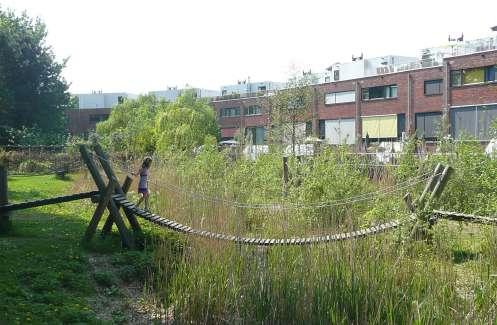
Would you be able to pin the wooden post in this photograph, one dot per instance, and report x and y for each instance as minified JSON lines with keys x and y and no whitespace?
{"x":99,"y":211}
{"x":285,"y":174}
{"x":102,"y":157}
{"x":126,"y":237}
{"x":430,"y":184}
{"x":110,"y":221}
{"x":442,"y":181}
{"x":4,"y":216}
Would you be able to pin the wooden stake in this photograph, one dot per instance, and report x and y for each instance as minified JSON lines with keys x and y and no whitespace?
{"x":285,"y":174}
{"x":442,"y":181}
{"x":102,"y":157}
{"x":109,"y":222}
{"x":4,"y":216}
{"x":99,"y":211}
{"x":431,"y":183}
{"x":126,"y":237}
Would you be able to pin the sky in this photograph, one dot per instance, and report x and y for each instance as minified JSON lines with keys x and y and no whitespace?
{"x":139,"y":46}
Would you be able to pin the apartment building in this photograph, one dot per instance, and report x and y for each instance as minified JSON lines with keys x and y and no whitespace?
{"x":92,"y":108}
{"x":386,"y":98}
{"x":172,"y":93}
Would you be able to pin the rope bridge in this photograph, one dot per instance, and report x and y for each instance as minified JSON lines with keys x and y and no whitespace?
{"x":112,"y":197}
{"x":178,"y":227}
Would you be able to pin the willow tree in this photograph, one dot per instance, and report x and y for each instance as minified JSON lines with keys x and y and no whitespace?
{"x":290,"y":108}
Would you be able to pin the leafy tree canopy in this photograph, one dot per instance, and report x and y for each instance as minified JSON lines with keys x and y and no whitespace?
{"x":185,"y":124}
{"x":146,"y":124}
{"x":130,"y":126}
{"x":33,"y":93}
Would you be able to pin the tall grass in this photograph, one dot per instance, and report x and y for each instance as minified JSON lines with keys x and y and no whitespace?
{"x":452,"y":278}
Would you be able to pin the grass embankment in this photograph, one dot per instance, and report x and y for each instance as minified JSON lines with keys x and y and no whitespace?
{"x":47,"y":276}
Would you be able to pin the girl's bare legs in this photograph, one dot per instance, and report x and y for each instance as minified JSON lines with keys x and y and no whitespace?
{"x":144,"y":197}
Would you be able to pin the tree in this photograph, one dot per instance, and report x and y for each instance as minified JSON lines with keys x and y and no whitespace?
{"x":130,"y":126}
{"x":185,"y":124}
{"x":291,"y":107}
{"x":32,"y":92}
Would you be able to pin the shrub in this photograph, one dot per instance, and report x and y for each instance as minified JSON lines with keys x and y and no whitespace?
{"x":32,"y":166}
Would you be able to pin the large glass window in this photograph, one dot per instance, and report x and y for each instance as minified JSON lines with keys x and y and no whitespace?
{"x":474,"y":121}
{"x":252,"y":110}
{"x":428,"y":124}
{"x":455,"y":78}
{"x":491,"y":73}
{"x":230,"y":112}
{"x":380,"y":126}
{"x":339,"y":97}
{"x":322,"y":129}
{"x":255,"y":135}
{"x":379,"y":92}
{"x":473,"y":76}
{"x":433,"y":87}
{"x":341,"y":131}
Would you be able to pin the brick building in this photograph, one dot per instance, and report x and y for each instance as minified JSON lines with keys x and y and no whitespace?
{"x":92,"y":108}
{"x":456,"y":85}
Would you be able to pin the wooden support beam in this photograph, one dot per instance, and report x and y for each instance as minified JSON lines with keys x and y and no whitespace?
{"x":52,"y":200}
{"x":126,"y":237}
{"x":99,"y":211}
{"x":4,"y":215}
{"x":430,"y":184}
{"x":442,"y":181}
{"x":104,"y":161}
{"x":109,"y":222}
{"x":408,"y":202}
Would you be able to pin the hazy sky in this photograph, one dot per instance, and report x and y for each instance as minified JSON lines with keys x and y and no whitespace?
{"x":137,"y":46}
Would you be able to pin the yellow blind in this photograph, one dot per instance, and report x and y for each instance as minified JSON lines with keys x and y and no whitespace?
{"x":384,"y":126}
{"x":472,"y":76}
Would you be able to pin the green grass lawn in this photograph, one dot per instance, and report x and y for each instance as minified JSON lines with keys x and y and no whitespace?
{"x":45,"y":274}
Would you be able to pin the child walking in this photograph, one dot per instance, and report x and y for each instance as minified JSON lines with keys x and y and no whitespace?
{"x":144,"y":173}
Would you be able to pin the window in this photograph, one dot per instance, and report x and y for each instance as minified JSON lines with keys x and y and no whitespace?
{"x":255,"y":135}
{"x":252,"y":110}
{"x":473,"y":76}
{"x":428,"y":124}
{"x":98,"y":118}
{"x":308,"y":128}
{"x":455,"y":78}
{"x":380,"y":126}
{"x":379,"y":92}
{"x":327,"y":79}
{"x":474,"y":121}
{"x":341,"y":131}
{"x":322,"y":129}
{"x":491,"y":73}
{"x":336,"y":75}
{"x":339,"y":97}
{"x":262,"y":88}
{"x":120,"y":99}
{"x":230,"y":111}
{"x":433,"y":87}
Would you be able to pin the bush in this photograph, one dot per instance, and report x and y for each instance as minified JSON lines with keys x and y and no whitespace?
{"x":32,"y":166}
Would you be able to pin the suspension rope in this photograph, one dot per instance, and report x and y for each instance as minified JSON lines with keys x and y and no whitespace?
{"x":287,"y":206}
{"x":321,"y":239}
